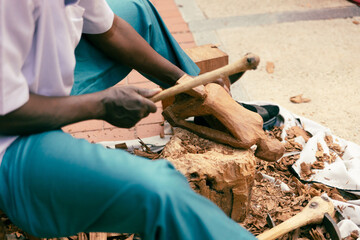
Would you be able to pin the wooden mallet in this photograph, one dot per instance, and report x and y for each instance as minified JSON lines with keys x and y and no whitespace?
{"x":318,"y":209}
{"x":248,"y":62}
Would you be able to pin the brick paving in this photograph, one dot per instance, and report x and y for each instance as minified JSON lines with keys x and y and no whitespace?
{"x":97,"y":130}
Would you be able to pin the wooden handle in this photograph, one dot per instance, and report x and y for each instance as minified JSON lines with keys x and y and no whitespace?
{"x":249,"y":61}
{"x":313,"y":213}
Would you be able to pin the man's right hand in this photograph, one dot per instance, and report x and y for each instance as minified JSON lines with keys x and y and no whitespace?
{"x":125,"y":106}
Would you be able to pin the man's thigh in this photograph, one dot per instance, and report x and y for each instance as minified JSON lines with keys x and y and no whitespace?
{"x":55,"y":185}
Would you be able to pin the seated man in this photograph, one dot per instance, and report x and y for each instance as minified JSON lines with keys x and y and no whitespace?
{"x":53,"y":185}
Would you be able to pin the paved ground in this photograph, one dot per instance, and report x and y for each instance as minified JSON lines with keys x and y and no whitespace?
{"x":314,"y":46}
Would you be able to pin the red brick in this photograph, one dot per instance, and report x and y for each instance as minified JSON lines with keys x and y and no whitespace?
{"x":88,"y":125}
{"x":136,"y":77}
{"x":108,"y":125}
{"x":159,"y":105}
{"x":173,"y":20}
{"x":114,"y":134}
{"x":173,"y":13}
{"x":148,"y":130}
{"x":152,"y":118}
{"x":163,"y":7}
{"x":148,"y":84}
{"x":178,"y":28}
{"x":122,"y":82}
{"x":183,"y":37}
{"x":159,"y":2}
{"x":187,"y":45}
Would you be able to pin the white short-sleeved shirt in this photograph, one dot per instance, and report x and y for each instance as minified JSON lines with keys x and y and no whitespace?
{"x":37,"y":43}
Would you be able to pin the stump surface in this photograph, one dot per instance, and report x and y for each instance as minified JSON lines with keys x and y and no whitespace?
{"x":223,"y":174}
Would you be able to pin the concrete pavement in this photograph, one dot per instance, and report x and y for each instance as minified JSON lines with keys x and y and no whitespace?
{"x":314,"y":45}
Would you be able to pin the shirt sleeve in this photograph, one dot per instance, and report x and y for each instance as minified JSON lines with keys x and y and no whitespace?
{"x":16,"y":36}
{"x":98,"y":16}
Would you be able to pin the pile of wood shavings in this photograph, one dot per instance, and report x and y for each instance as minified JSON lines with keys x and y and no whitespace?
{"x":268,"y":198}
{"x":321,"y":157}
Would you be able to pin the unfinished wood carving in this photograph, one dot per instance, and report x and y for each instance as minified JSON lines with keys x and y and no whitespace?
{"x":236,"y":126}
{"x":223,"y":174}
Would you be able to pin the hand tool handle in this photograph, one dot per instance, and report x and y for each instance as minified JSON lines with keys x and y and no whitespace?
{"x":249,"y":61}
{"x":313,"y":213}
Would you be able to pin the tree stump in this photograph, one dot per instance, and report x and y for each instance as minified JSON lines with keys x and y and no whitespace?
{"x":223,"y":174}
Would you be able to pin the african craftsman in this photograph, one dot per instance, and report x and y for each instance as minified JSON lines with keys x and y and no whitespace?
{"x":53,"y":185}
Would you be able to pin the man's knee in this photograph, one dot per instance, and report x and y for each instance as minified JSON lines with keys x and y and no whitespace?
{"x":133,"y":11}
{"x":164,"y":181}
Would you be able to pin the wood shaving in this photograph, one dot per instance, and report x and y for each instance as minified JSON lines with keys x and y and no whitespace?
{"x":306,"y":170}
{"x":297,"y":131}
{"x":268,"y":198}
{"x":276,"y":133}
{"x":292,"y":146}
{"x":146,"y":154}
{"x":321,"y":157}
{"x":299,"y":99}
{"x":334,"y":146}
{"x":121,"y":146}
{"x":316,"y":235}
{"x":353,"y":236}
{"x":270,"y":67}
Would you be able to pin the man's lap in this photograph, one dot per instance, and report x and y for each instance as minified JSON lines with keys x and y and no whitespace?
{"x":51,"y":178}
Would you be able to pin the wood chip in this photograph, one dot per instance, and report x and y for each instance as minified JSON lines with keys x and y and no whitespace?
{"x":334,"y":146}
{"x":306,"y":170}
{"x":316,"y":235}
{"x":270,"y":67}
{"x":121,"y":146}
{"x":292,"y":146}
{"x":150,"y":155}
{"x":297,"y":131}
{"x":299,"y":99}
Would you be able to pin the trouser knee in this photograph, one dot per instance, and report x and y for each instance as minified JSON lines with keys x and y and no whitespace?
{"x":135,"y":12}
{"x":166,"y":181}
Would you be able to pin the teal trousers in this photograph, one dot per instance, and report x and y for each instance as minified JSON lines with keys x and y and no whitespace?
{"x":95,"y":72}
{"x":53,"y":185}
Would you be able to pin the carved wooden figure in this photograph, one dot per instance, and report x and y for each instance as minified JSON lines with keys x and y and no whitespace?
{"x":234,"y":125}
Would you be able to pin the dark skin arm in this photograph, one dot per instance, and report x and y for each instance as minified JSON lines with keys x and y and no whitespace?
{"x":123,"y":44}
{"x":136,"y":53}
{"x":120,"y":106}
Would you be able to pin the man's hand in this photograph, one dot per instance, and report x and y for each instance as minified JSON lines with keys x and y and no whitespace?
{"x":125,"y":106}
